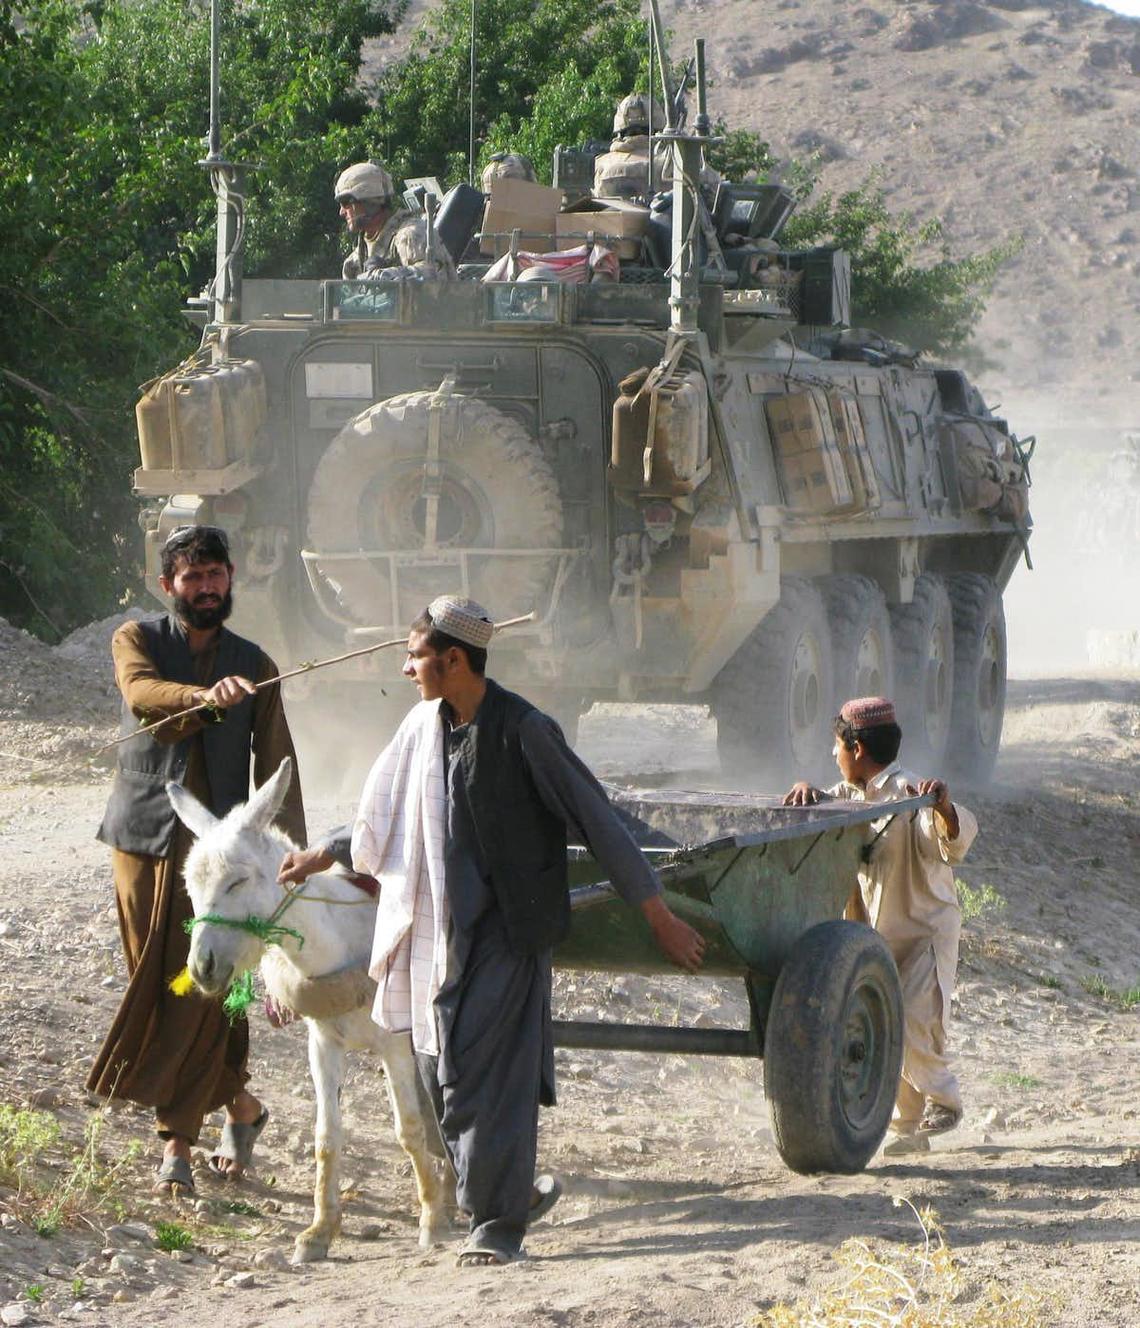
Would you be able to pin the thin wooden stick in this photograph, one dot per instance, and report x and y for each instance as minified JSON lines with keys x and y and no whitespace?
{"x":292,"y":673}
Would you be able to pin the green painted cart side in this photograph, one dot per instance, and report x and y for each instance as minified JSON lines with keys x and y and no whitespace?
{"x":826,"y":1009}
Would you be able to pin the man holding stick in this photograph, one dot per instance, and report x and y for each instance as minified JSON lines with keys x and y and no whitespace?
{"x":180,"y":1054}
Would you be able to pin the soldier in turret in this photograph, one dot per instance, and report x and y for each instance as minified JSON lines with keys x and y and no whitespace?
{"x":390,"y":240}
{"x":623,"y":172}
{"x":507,"y":166}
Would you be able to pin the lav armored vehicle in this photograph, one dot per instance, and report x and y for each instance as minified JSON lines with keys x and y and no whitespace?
{"x":703,"y":482}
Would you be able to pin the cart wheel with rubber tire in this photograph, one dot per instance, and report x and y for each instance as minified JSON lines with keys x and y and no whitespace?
{"x":833,"y":1048}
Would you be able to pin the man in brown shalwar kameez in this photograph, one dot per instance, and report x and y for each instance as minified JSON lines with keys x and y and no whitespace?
{"x":180,"y":1054}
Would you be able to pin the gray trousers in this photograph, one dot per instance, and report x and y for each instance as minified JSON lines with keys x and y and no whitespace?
{"x":495,"y":1067}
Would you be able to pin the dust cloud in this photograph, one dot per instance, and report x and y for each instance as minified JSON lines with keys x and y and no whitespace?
{"x":1078,"y":609}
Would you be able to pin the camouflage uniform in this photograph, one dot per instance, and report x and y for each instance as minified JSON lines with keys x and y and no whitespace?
{"x":623,"y":171}
{"x":400,"y":246}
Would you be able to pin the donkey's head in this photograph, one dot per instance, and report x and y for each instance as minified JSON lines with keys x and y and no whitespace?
{"x":231,"y":873}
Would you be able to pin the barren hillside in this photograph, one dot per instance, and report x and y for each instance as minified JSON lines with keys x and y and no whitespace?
{"x":1002,"y":118}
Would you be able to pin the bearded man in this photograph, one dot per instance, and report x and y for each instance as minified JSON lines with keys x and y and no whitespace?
{"x":180,"y":1054}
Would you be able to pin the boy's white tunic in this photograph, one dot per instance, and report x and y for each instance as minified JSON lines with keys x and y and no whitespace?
{"x":908,"y":895}
{"x":398,"y":837}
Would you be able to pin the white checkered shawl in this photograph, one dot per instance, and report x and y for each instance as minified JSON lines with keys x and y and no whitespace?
{"x":398,"y":837}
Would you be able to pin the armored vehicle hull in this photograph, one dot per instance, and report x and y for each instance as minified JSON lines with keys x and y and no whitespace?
{"x":704,"y":485}
{"x":753,"y":516}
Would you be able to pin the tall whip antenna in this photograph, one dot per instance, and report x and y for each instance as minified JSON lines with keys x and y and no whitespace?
{"x":651,"y":124}
{"x":214,"y":141}
{"x":227,"y":180}
{"x":471,"y":106}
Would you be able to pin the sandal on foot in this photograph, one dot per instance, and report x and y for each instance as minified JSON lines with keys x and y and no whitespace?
{"x":476,"y":1255}
{"x":236,"y":1145}
{"x":939,"y":1119}
{"x":174,"y":1177}
{"x":906,"y":1145}
{"x":547,"y":1191}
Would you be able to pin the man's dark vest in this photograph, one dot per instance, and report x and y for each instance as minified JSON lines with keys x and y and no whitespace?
{"x":139,"y":817}
{"x":523,"y":842}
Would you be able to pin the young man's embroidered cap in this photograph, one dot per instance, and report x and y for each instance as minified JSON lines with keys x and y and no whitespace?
{"x":463,"y":619}
{"x":868,"y":712}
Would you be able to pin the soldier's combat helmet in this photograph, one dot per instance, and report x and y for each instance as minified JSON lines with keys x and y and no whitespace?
{"x":633,"y":112}
{"x":367,"y":181}
{"x":507,"y":166}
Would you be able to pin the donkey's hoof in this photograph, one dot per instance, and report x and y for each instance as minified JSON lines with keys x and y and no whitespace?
{"x":437,"y":1233}
{"x":310,"y":1249}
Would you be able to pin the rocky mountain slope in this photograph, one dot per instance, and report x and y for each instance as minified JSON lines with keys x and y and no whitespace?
{"x":1002,"y":118}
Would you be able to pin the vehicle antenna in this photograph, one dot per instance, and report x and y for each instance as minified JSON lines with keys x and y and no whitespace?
{"x":471,"y":107}
{"x":214,"y":141}
{"x":657,"y":35}
{"x":228,"y":183}
{"x":701,"y":123}
{"x":651,"y":124}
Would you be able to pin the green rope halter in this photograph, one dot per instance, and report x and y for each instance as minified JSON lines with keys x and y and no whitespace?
{"x":240,"y":995}
{"x":265,"y":929}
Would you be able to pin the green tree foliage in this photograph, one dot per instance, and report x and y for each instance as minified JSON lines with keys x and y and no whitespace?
{"x":740,"y":155}
{"x":547,"y":72}
{"x":106,"y":223}
{"x":905,"y":284}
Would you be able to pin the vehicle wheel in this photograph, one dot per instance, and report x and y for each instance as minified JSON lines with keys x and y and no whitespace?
{"x":497,"y":492}
{"x":861,"y":643}
{"x":833,"y":1048}
{"x":923,"y":633}
{"x":772,"y":700}
{"x":979,"y":675}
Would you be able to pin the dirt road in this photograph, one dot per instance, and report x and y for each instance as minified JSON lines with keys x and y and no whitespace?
{"x":678,"y":1209}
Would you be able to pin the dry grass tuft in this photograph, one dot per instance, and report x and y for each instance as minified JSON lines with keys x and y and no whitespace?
{"x":909,"y":1287}
{"x":48,"y":1185}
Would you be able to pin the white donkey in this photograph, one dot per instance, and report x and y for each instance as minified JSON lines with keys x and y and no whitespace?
{"x":231,"y":875}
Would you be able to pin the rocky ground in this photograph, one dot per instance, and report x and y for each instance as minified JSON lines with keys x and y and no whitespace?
{"x":678,"y":1209}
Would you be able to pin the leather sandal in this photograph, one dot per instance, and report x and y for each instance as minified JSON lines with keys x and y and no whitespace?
{"x":236,"y":1145}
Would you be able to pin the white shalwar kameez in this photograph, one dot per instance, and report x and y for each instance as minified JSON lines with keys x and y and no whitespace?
{"x":907,"y":894}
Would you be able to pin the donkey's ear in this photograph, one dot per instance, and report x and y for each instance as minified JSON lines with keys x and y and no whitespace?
{"x":189,"y":810}
{"x":269,"y":798}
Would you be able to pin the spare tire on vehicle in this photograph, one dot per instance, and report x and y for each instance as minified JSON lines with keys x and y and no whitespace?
{"x":495,"y":490}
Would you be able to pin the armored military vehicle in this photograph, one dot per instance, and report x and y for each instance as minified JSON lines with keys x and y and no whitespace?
{"x":703,"y":482}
